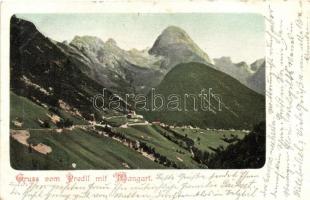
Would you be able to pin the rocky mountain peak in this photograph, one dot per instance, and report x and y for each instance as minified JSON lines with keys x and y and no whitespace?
{"x":111,"y":42}
{"x":169,"y":36}
{"x":222,"y":60}
{"x":243,"y":65}
{"x":177,"y":46}
{"x":90,"y":43}
{"x":174,"y":34}
{"x":257,"y":64}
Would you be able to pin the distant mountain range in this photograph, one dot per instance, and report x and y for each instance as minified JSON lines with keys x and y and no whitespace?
{"x":241,"y":107}
{"x":253,"y":76}
{"x":46,"y":71}
{"x":257,"y":81}
{"x":138,"y":71}
{"x":54,"y":123}
{"x":134,"y":71}
{"x":47,"y":74}
{"x":119,"y":70}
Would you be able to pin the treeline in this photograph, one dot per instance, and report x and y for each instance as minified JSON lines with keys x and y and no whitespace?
{"x":246,"y":153}
{"x":173,"y":136}
{"x":158,"y":157}
{"x":137,"y":145}
{"x":62,"y":123}
{"x":202,"y":157}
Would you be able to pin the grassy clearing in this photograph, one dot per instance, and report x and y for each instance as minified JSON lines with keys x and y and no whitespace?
{"x":87,"y":150}
{"x":25,"y":111}
{"x":209,"y":139}
{"x":162,"y":145}
{"x":74,"y":119}
{"x":116,"y":120}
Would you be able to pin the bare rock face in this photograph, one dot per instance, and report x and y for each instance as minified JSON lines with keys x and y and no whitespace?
{"x":257,"y":81}
{"x":47,"y":71}
{"x":134,"y":70}
{"x":239,"y":71}
{"x":175,"y":45}
{"x":252,"y":76}
{"x":120,"y":70}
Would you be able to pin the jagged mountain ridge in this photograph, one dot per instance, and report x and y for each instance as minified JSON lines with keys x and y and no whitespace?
{"x":113,"y":67}
{"x":255,"y":66}
{"x":44,"y":73}
{"x":143,"y":70}
{"x":257,"y":81}
{"x":252,"y":76}
{"x":241,"y":71}
{"x":137,"y":71}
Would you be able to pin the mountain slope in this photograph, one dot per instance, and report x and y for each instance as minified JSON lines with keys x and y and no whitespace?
{"x":251,"y":152}
{"x":241,"y":107}
{"x":84,"y":148}
{"x":257,"y":80}
{"x":175,"y":46}
{"x":252,"y":76}
{"x":121,"y":71}
{"x":45,"y":74}
{"x":134,"y":71}
{"x":257,"y":64}
{"x":240,"y":71}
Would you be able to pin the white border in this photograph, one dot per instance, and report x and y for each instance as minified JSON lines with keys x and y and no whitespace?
{"x":7,"y":174}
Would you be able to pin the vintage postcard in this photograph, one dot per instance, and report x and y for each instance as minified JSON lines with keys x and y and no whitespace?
{"x":149,"y":98}
{"x":154,"y":100}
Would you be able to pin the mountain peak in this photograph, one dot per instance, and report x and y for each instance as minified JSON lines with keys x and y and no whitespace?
{"x":174,"y":29}
{"x":257,"y":64}
{"x":111,"y":42}
{"x":176,"y":45}
{"x":223,"y":61}
{"x":91,"y":43}
{"x":86,"y":38}
{"x":242,"y":64}
{"x":173,"y":35}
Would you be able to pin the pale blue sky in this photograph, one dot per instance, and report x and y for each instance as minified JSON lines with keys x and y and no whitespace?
{"x":240,"y":36}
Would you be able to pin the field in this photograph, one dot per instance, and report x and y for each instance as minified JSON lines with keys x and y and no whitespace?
{"x":162,"y":145}
{"x":209,"y":139}
{"x":25,"y":111}
{"x":84,"y":148}
{"x":28,"y":113}
{"x":116,"y":120}
{"x":87,"y":150}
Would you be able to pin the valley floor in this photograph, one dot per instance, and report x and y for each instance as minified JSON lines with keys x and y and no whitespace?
{"x":118,"y":142}
{"x":91,"y":147}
